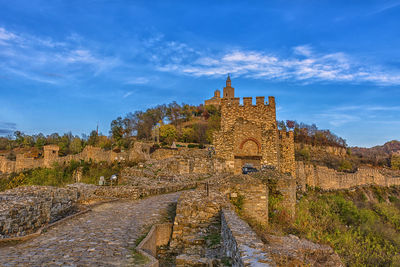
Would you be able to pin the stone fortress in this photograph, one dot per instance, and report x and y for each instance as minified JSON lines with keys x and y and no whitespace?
{"x":249,"y":133}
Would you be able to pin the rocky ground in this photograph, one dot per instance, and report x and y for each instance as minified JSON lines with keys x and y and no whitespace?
{"x":105,"y":236}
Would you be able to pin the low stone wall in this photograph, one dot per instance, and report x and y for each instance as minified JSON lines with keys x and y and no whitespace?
{"x":89,"y":192}
{"x":325,"y":178}
{"x":240,"y":243}
{"x":252,"y":192}
{"x":196,"y":212}
{"x":159,"y":235}
{"x":26,"y":209}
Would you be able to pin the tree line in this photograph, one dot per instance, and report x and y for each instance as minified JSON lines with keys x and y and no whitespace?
{"x":174,"y":122}
{"x":186,"y":123}
{"x":310,"y":134}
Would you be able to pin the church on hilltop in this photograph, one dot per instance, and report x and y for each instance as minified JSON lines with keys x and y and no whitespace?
{"x":228,"y":92}
{"x":249,"y":133}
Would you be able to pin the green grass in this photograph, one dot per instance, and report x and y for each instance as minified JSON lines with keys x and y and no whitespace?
{"x":213,"y":239}
{"x":60,"y":175}
{"x":138,"y":258}
{"x":238,"y":203}
{"x":362,"y":233}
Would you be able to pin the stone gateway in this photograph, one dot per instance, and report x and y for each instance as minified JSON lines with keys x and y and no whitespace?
{"x":249,"y":135}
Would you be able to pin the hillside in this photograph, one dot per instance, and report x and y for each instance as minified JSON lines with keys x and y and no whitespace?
{"x":377,"y":155}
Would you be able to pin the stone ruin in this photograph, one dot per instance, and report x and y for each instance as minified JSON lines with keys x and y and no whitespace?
{"x":140,"y":152}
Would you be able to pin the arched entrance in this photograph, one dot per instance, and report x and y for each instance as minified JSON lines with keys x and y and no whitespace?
{"x":249,"y":153}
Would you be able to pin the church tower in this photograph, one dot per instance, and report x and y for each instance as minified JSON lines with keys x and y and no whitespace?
{"x":229,"y":91}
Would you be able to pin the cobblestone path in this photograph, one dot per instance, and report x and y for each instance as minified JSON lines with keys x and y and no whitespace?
{"x":104,"y":236}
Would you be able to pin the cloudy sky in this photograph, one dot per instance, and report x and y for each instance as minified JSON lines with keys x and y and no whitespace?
{"x":68,"y":65}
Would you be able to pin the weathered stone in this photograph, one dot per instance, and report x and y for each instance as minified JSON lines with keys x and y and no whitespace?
{"x":25,"y":209}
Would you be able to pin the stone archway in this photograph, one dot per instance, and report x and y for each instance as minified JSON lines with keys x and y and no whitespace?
{"x":250,"y":147}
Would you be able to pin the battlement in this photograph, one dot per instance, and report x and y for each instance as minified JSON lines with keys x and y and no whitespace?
{"x":285,"y":135}
{"x":248,"y":102}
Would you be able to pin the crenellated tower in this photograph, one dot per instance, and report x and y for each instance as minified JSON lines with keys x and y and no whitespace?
{"x":249,"y":134}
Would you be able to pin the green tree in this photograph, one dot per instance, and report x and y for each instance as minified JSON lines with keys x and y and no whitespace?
{"x":93,"y":138}
{"x":168,"y":133}
{"x":76,"y":145}
{"x":188,"y":135}
{"x":117,"y":131}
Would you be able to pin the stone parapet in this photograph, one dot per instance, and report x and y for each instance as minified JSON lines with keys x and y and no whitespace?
{"x":159,"y":235}
{"x":240,"y":242}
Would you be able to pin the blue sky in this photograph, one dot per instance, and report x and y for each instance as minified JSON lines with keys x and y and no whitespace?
{"x":68,"y":65}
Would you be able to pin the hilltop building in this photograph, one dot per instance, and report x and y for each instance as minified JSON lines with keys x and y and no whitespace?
{"x":228,"y":92}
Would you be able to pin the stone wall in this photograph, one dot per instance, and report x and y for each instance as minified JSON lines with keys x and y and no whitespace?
{"x":196,"y":213}
{"x":24,"y":210}
{"x":252,"y":193}
{"x":325,"y":178}
{"x":140,"y":152}
{"x":159,"y":235}
{"x":287,"y":162}
{"x":249,"y":135}
{"x":89,"y":192}
{"x":240,"y":243}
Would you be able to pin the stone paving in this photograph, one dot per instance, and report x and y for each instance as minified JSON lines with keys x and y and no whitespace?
{"x":104,"y":236}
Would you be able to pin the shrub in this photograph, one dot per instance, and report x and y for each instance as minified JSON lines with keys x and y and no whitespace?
{"x":303,"y":154}
{"x":193,"y":146}
{"x":345,"y":165}
{"x":362,"y":233}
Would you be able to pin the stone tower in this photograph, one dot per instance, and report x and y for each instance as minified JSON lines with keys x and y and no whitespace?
{"x":217,"y":94}
{"x":50,"y":155}
{"x":249,"y":134}
{"x":229,"y":91}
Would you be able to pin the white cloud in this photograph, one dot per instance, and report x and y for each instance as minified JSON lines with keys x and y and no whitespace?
{"x":338,"y":119}
{"x":46,"y":54}
{"x":303,"y":50}
{"x":6,"y":35}
{"x":127,"y":94}
{"x":304,"y":65}
{"x":342,"y":115}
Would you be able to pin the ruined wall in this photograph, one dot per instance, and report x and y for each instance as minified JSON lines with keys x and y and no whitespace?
{"x":24,"y":210}
{"x":286,"y":148}
{"x":325,"y":178}
{"x":252,"y":192}
{"x":6,"y":166}
{"x":140,"y":152}
{"x":22,"y":162}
